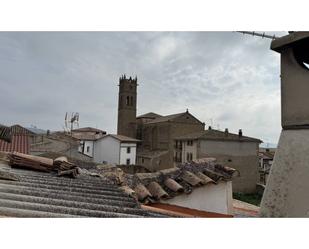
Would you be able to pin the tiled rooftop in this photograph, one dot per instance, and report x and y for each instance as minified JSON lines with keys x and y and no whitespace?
{"x":28,"y":193}
{"x":164,"y":184}
{"x":19,"y":143}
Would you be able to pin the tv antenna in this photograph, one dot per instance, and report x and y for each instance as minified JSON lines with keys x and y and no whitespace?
{"x":70,"y":122}
{"x":263,"y":35}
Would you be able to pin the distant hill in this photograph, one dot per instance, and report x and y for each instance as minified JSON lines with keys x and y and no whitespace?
{"x":37,"y":130}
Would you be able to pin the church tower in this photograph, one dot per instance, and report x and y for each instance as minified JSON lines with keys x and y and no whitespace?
{"x":127,"y":106}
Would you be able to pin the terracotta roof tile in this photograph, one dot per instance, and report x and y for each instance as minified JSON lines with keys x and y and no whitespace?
{"x":191,"y":178}
{"x":157,"y":191}
{"x":19,"y":143}
{"x":167,"y":183}
{"x":173,"y":185}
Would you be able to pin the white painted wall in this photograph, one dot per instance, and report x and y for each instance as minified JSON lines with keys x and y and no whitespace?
{"x":124,"y":155}
{"x":89,"y":144}
{"x":189,"y":149}
{"x":211,"y":197}
{"x":107,"y":149}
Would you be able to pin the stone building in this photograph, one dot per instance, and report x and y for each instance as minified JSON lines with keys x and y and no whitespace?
{"x":155,"y":131}
{"x":127,"y":107}
{"x":232,"y":150}
{"x":157,"y":135}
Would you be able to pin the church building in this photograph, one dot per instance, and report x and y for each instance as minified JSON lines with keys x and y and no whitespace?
{"x":156,"y":132}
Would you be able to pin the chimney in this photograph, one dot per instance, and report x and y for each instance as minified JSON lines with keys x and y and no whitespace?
{"x":240,"y":133}
{"x":226,"y":131}
{"x":209,"y":128}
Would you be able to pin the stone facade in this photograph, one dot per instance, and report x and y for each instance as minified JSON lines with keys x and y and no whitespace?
{"x":230,"y":150}
{"x":127,"y":107}
{"x":159,"y":135}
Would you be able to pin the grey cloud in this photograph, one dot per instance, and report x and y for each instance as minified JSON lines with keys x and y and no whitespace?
{"x":224,"y":76}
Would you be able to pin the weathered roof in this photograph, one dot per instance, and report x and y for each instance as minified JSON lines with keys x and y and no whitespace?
{"x":217,"y":135}
{"x":151,"y":153}
{"x":19,"y":143}
{"x":151,"y":115}
{"x":87,"y":137}
{"x":166,"y":118}
{"x":171,"y":117}
{"x":266,"y":155}
{"x":151,"y":187}
{"x":18,"y":129}
{"x":88,"y":129}
{"x":5,"y":133}
{"x":27,"y":193}
{"x":122,"y":138}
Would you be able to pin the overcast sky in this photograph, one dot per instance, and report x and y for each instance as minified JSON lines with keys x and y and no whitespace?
{"x":225,"y":79}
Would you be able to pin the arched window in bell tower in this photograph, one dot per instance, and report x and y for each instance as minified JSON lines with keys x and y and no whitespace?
{"x":128,"y":100}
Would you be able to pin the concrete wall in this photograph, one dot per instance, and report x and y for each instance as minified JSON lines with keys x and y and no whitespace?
{"x":124,"y":155}
{"x":107,"y":149}
{"x":286,"y":193}
{"x":212,"y":198}
{"x":294,"y":91}
{"x":242,"y":156}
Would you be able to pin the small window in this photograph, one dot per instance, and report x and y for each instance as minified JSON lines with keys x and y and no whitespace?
{"x":88,"y":148}
{"x":189,"y":157}
{"x":128,"y":162}
{"x":128,"y":100}
{"x":128,"y":150}
{"x":189,"y":142}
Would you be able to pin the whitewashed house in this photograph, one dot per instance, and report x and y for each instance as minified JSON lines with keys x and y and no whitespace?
{"x":87,"y":137}
{"x":115,"y":149}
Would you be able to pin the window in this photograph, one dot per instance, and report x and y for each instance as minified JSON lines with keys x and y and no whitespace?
{"x":178,"y":157}
{"x":88,"y":148}
{"x":128,"y":150}
{"x":190,"y":142}
{"x":128,"y":100}
{"x":189,"y":156}
{"x":128,"y":161}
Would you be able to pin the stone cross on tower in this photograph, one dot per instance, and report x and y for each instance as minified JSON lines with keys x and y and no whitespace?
{"x":287,"y":189}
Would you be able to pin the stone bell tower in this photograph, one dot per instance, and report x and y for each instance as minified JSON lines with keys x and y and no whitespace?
{"x":287,"y":189}
{"x":127,"y":106}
